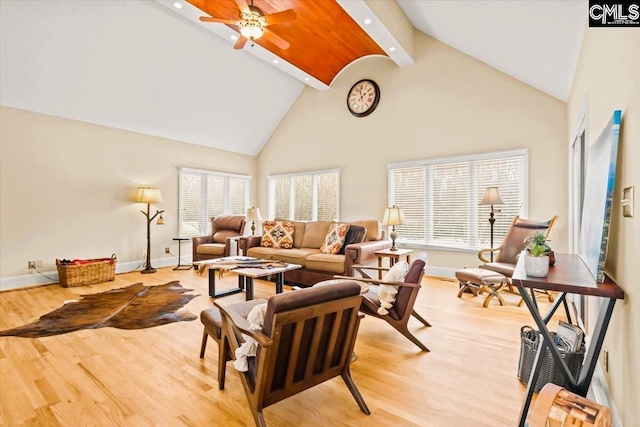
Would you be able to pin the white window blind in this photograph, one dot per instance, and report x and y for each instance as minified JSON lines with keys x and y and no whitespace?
{"x":441,"y":198}
{"x":308,"y":196}
{"x":205,"y":194}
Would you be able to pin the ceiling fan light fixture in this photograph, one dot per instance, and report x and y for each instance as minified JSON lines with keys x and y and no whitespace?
{"x":252,"y":24}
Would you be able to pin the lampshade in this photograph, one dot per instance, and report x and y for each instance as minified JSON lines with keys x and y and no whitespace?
{"x":491,"y":197}
{"x":253,"y":214}
{"x":148,"y":195}
{"x":393,"y":216}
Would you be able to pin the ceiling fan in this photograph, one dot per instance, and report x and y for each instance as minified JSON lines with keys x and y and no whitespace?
{"x":253,"y":21}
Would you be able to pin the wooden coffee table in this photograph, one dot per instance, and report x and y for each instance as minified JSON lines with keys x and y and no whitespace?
{"x":255,"y":268}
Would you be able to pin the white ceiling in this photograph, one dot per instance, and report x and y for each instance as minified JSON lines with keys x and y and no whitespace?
{"x":139,"y":66}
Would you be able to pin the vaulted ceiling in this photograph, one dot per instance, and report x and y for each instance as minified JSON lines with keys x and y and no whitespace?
{"x":153,"y":68}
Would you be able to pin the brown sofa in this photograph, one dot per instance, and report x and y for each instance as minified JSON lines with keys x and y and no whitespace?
{"x":317,"y":266}
{"x":217,"y":244}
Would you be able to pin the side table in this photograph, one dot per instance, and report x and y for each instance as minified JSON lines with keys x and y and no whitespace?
{"x":394,"y":256}
{"x":180,"y":266}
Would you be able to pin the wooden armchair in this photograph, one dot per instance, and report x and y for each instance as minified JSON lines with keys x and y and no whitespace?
{"x":307,"y":338}
{"x":398,"y":316}
{"x":513,"y":244}
{"x":557,"y":407}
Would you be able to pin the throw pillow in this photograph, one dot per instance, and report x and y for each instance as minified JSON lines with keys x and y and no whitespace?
{"x":335,"y":238}
{"x":387,"y":293}
{"x":356,"y":234}
{"x":277,"y":234}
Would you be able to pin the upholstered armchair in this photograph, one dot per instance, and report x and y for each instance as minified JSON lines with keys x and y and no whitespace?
{"x":307,"y":338}
{"x":217,"y":244}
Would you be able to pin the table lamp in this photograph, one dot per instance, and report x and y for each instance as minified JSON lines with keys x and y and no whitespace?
{"x":253,"y":215}
{"x":393,"y":216}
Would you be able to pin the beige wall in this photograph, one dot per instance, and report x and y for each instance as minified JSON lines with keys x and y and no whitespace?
{"x":608,"y":78}
{"x":446,"y":104}
{"x":66,"y":188}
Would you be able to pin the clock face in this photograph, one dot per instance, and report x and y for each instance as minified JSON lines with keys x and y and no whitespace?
{"x":363,"y":98}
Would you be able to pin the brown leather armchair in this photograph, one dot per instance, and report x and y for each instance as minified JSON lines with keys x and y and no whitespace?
{"x":307,"y":338}
{"x":217,"y":244}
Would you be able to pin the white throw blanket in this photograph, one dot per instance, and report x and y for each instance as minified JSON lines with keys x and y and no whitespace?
{"x":387,"y":293}
{"x":249,"y":347}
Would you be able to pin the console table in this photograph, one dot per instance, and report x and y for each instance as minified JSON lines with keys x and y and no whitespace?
{"x":568,"y":275}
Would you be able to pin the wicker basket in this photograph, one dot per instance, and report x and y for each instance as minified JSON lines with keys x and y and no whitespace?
{"x":91,"y":271}
{"x":549,"y":372}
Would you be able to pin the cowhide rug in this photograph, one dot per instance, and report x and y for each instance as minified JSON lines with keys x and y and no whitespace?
{"x":134,"y":307}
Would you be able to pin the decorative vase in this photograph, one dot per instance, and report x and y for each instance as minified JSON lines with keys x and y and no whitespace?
{"x":536,"y":266}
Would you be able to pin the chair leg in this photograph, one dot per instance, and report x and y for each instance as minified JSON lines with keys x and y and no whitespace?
{"x":203,"y":347}
{"x":404,"y":331}
{"x":223,"y":350}
{"x":351,"y":385}
{"x":258,"y":417}
{"x":420,"y":318}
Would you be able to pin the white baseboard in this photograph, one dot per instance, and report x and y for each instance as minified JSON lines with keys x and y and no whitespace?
{"x":602,"y":394}
{"x":35,"y":279}
{"x":446,"y":272}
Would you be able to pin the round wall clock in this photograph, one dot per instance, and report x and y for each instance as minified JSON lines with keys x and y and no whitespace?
{"x":363,"y":98}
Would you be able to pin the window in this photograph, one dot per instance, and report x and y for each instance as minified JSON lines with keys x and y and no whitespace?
{"x":308,"y":196}
{"x":205,"y":195}
{"x":440,"y":198}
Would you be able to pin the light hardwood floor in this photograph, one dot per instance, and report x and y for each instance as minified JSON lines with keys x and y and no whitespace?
{"x":154,"y":376}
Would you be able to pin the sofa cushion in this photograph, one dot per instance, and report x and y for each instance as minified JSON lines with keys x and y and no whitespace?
{"x":221,"y":235}
{"x":314,"y":234}
{"x":277,"y":234}
{"x":373,"y":226}
{"x":210,"y":249}
{"x":334,"y":239}
{"x":325,"y":262}
{"x":356,"y":234}
{"x":298,"y":231}
{"x":261,"y":252}
{"x":294,"y":256}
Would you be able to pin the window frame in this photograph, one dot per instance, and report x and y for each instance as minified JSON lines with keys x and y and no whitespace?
{"x":473,"y":195}
{"x":271,"y":199}
{"x":205,"y":220}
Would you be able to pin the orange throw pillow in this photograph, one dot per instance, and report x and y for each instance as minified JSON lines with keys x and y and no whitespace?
{"x":277,"y":234}
{"x":335,"y":238}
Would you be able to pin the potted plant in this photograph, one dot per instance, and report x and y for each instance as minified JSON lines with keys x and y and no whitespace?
{"x":537,"y":259}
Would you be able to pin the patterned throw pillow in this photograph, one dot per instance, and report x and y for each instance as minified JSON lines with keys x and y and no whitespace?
{"x":277,"y":234}
{"x":335,"y":238}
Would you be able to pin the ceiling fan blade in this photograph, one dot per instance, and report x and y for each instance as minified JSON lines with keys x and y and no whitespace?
{"x":243,"y":6}
{"x":276,"y":39}
{"x":280,"y":17}
{"x":220,"y":20}
{"x":240,"y":43}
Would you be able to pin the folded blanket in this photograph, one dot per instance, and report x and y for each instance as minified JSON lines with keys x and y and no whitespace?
{"x":249,"y":347}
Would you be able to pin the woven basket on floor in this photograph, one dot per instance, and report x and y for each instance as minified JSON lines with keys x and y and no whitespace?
{"x":550,"y":372}
{"x":93,"y":271}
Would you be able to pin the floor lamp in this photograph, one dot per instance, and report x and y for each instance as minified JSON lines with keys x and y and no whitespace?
{"x":149,"y":195}
{"x":393,"y":216}
{"x":491,"y":197}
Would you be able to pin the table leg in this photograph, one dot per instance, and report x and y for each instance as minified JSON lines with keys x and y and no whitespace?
{"x":224,"y":293}
{"x":180,"y":266}
{"x":249,"y":288}
{"x":379,"y":266}
{"x":279,"y":283}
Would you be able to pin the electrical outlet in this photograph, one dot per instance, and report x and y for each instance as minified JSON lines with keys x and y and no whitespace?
{"x":40,"y":263}
{"x":31,"y":265}
{"x":606,"y":360}
{"x":167,"y":250}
